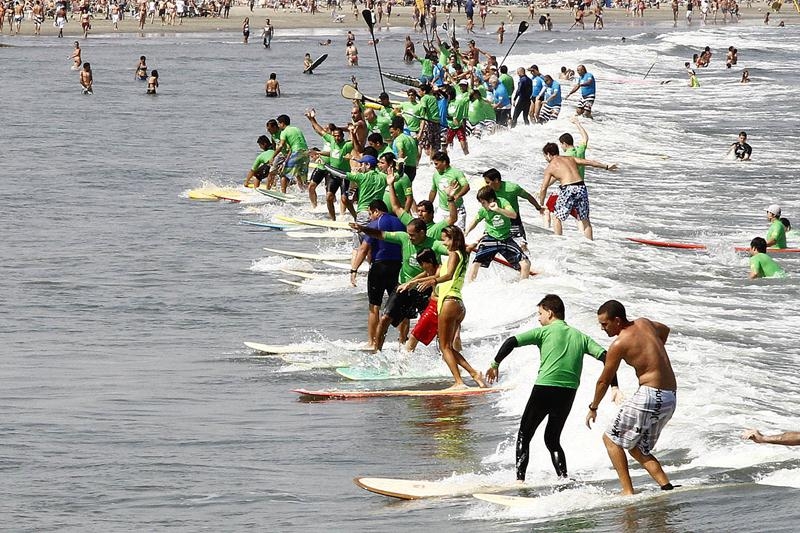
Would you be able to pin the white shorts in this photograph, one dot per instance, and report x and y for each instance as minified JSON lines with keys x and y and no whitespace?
{"x":641,"y":419}
{"x":442,"y":214}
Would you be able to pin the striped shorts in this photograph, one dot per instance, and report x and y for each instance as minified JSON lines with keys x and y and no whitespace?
{"x":586,"y":102}
{"x":641,"y":419}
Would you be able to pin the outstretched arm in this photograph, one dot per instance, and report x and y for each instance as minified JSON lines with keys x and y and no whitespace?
{"x":595,"y":164}
{"x":790,"y":438}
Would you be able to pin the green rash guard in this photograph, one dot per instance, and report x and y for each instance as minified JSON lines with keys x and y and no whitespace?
{"x":294,"y":138}
{"x":562,"y":348}
{"x":262,"y":159}
{"x":434,"y":230}
{"x":380,"y":125}
{"x":511,"y":193}
{"x":410,"y":114}
{"x":498,"y":225}
{"x":480,"y":110}
{"x":427,"y":67}
{"x":402,"y":189}
{"x":458,"y":109}
{"x":429,"y":109}
{"x":442,"y":181}
{"x":765,"y":267}
{"x":410,"y":250}
{"x":777,"y":231}
{"x":408,"y":146}
{"x":338,"y":152}
{"x":578,"y":151}
{"x":371,"y":186}
{"x":508,"y":81}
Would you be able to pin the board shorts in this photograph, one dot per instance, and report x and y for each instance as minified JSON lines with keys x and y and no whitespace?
{"x":550,"y":203}
{"x":518,"y":231}
{"x":18,"y":18}
{"x":383,"y":277}
{"x":430,"y":137}
{"x":362,"y":219}
{"x":406,"y":305}
{"x":586,"y":103}
{"x":488,"y":247}
{"x":411,"y":172}
{"x":427,"y":327}
{"x":641,"y":419}
{"x":60,"y":22}
{"x":319,"y":174}
{"x":459,"y":132}
{"x":296,"y":166}
{"x":548,"y":112}
{"x":271,"y":94}
{"x":484,"y":127}
{"x":574,"y":196}
{"x":503,"y":115}
{"x":115,"y":18}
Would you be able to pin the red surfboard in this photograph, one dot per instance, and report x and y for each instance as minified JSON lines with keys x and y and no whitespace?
{"x":354,"y":394}
{"x":668,"y":244}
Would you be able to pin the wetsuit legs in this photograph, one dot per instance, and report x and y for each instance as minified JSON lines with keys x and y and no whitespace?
{"x":555,"y":403}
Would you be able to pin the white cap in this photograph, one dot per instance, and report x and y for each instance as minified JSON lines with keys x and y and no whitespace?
{"x":775,"y":209}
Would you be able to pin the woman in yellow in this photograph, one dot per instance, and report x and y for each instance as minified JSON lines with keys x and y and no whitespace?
{"x":449,"y":281}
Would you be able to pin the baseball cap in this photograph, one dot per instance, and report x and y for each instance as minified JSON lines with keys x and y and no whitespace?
{"x":463,"y":82}
{"x":775,"y":209}
{"x":368,"y":159}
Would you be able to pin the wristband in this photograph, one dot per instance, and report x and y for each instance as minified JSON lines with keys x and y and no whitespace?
{"x":353,"y":271}
{"x":592,"y":408}
{"x":495,"y":365}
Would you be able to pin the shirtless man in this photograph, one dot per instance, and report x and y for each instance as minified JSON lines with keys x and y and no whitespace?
{"x":358,"y":129}
{"x":86,"y":78}
{"x":76,"y":56}
{"x":38,"y":17}
{"x":573,"y":193}
{"x":640,"y":343}
{"x":19,"y":14}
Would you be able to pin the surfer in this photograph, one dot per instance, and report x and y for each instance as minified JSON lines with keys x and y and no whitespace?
{"x":511,"y":193}
{"x":537,"y":96}
{"x":86,"y":79}
{"x":371,"y":184}
{"x":307,"y":62}
{"x":586,"y":84}
{"x":568,"y":146}
{"x":261,"y":166}
{"x":762,"y":265}
{"x":741,"y":150}
{"x":425,"y":211}
{"x":152,"y":82}
{"x":445,"y":179}
{"x":572,"y":193}
{"x":428,"y":110}
{"x":272,"y":88}
{"x":789,"y":438}
{"x":496,"y":214}
{"x":141,"y":69}
{"x":561,"y":349}
{"x":450,"y":306}
{"x":335,"y":153}
{"x":385,"y":263}
{"x":296,"y":167}
{"x":637,"y":426}
{"x":776,"y":234}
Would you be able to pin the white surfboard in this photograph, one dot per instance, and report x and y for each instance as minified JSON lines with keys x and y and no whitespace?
{"x":411,"y":489}
{"x":313,"y":257}
{"x":336,"y":224}
{"x":331,"y":234}
{"x":290,"y":282}
{"x":299,"y":273}
{"x":363,"y":269}
{"x":276,"y":349}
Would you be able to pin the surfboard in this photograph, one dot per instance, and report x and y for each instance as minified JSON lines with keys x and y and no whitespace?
{"x":313,"y":257}
{"x":335,"y":224}
{"x":382,"y":374}
{"x":667,"y":244}
{"x":203,"y":195}
{"x":410,"y":489}
{"x":402,"y":79}
{"x":770,"y":250}
{"x":233,"y":196}
{"x":271,"y":225}
{"x":278,"y":195}
{"x":299,"y":273}
{"x":418,"y":393}
{"x":315,"y":64}
{"x":290,"y":282}
{"x":275,"y":349}
{"x":332,"y":234}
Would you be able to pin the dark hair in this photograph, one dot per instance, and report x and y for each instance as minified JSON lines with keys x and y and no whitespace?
{"x":271,"y":122}
{"x":375,"y":137}
{"x":554,"y":304}
{"x":154,"y":73}
{"x":613,"y":309}
{"x":141,"y":58}
{"x":418,"y":225}
{"x":390,"y":159}
{"x":427,"y":204}
{"x":427,"y":256}
{"x":284,"y":119}
{"x":784,"y":221}
{"x":743,"y":133}
{"x":263,"y":139}
{"x":759,"y":244}
{"x":398,"y":123}
{"x":426,"y":88}
{"x":492,"y":175}
{"x":272,"y":76}
{"x":441,"y":156}
{"x":457,"y":241}
{"x":486,"y":194}
{"x":378,"y":205}
{"x":566,"y":138}
{"x":503,"y":69}
{"x":450,"y":91}
{"x":369,"y":150}
{"x":550,"y":149}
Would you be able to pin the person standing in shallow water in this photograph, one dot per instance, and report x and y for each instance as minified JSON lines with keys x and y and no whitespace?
{"x":152,"y":82}
{"x":86,"y":79}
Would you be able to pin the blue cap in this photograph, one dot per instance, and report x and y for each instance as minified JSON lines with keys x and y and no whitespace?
{"x":368,"y":159}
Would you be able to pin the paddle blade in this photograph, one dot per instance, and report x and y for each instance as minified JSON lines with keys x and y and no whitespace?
{"x":368,"y":18}
{"x":351,"y":93}
{"x":523,"y":27}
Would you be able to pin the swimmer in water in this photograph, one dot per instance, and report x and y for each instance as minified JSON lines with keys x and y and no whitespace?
{"x":141,"y":69}
{"x":272,"y":87}
{"x":152,"y":82}
{"x":86,"y":79}
{"x":76,"y":56}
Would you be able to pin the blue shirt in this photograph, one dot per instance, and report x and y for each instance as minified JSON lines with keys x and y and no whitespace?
{"x":501,"y":95}
{"x":553,"y":89}
{"x":587,"y":90}
{"x":438,"y":75}
{"x":382,"y":250}
{"x":443,"y":103}
{"x":538,"y":85}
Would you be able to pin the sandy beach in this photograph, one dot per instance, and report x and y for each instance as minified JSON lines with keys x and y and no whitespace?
{"x":401,"y":18}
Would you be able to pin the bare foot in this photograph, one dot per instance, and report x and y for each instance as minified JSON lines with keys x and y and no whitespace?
{"x":478,"y":377}
{"x":457,"y":386}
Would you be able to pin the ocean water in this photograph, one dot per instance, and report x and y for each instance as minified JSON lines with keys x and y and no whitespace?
{"x":130,"y":403}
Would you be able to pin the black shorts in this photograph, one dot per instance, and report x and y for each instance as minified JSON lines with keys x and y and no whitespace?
{"x":411,"y":172}
{"x":334,"y":183}
{"x":383,"y":277}
{"x":262,"y":172}
{"x":406,"y":304}
{"x":488,"y":247}
{"x":319,"y":174}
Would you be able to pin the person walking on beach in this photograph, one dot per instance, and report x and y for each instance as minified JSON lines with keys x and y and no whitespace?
{"x":267,"y":33}
{"x":561,"y":349}
{"x":86,"y":79}
{"x":637,"y":426}
{"x":61,"y":19}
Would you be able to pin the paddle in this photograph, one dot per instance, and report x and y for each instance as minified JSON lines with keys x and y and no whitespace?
{"x":367,"y":14}
{"x":523,"y":27}
{"x":651,"y":68}
{"x":351,"y":93}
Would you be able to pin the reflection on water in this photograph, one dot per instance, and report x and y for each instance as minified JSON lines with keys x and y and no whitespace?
{"x":445,"y":422}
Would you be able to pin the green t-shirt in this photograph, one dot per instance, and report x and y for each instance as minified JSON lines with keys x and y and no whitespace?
{"x":402,"y":188}
{"x":777,"y":231}
{"x":508,"y":82}
{"x":427,"y":67}
{"x":458,"y":109}
{"x":562,"y":349}
{"x":407,"y":145}
{"x":434,"y":230}
{"x":441,"y":182}
{"x":380,"y":125}
{"x":294,"y":138}
{"x":262,"y":159}
{"x":497,"y":224}
{"x":429,"y":109}
{"x":444,"y":56}
{"x":765,"y":267}
{"x":410,"y":114}
{"x":371,"y":186}
{"x":480,"y":110}
{"x":410,"y":266}
{"x":338,"y":151}
{"x":511,"y":192}
{"x":578,"y":151}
